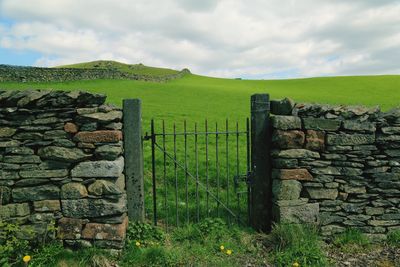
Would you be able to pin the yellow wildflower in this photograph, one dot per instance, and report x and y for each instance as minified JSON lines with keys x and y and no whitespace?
{"x":229,"y":251}
{"x":222,"y":247}
{"x":137,"y":244}
{"x":26,"y":258}
{"x":296,"y":264}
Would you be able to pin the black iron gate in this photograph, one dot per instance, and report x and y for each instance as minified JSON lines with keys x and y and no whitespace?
{"x":199,"y":173}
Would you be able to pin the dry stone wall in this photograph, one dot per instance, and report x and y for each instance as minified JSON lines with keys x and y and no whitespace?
{"x":35,"y":74}
{"x":61,"y":165}
{"x":336,"y":166}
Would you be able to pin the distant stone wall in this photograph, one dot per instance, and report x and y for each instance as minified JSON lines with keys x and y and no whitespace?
{"x":62,"y":165}
{"x":337,"y":166}
{"x":34,"y":74}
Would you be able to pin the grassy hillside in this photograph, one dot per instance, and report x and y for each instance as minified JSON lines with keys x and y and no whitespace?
{"x":196,"y":97}
{"x":129,"y":68}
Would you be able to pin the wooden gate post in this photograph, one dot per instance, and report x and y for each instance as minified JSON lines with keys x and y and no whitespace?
{"x":133,"y":152}
{"x":261,"y":182}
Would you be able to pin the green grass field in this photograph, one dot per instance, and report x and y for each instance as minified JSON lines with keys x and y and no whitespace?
{"x":195,"y":98}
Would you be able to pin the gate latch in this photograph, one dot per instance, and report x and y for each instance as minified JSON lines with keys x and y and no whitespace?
{"x":247,"y":178}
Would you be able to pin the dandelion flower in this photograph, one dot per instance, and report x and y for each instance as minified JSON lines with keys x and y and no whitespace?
{"x":229,"y":251}
{"x":26,"y":258}
{"x":222,"y":247}
{"x":137,"y":244}
{"x":296,"y":264}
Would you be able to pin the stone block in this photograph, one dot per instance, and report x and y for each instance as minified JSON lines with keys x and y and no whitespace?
{"x":321,"y":124}
{"x":90,"y":208}
{"x":383,"y":222}
{"x":7,"y":132}
{"x":364,"y":126}
{"x":104,"y":188}
{"x":374,"y":210}
{"x":391,"y":130}
{"x":288,"y":139}
{"x":35,"y":193}
{"x":291,"y":174}
{"x":47,"y":205}
{"x":294,"y":202}
{"x":100,"y":231}
{"x":284,"y":163}
{"x":108,"y":152}
{"x":70,"y":127}
{"x":73,"y":191}
{"x":333,"y":229}
{"x":14,"y":210}
{"x":70,"y":228}
{"x":5,"y":195}
{"x":350,"y":139}
{"x":99,"y":169}
{"x":282,"y":107}
{"x":286,"y":122}
{"x":21,"y":159}
{"x":307,"y":213}
{"x":295,"y":154}
{"x":44,"y":173}
{"x":322,"y":193}
{"x":286,"y":189}
{"x":104,"y":116}
{"x":62,"y":154}
{"x":315,"y":140}
{"x":354,"y":189}
{"x":99,"y":136}
{"x":330,"y":218}
{"x":11,"y":143}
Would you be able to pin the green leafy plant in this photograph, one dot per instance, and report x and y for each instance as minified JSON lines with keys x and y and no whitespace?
{"x":48,"y":254}
{"x":12,"y":248}
{"x":143,"y":233}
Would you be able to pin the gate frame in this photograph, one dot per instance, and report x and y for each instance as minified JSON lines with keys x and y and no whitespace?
{"x":260,"y":173}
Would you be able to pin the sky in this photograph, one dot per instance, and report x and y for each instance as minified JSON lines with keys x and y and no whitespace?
{"x":254,"y":39}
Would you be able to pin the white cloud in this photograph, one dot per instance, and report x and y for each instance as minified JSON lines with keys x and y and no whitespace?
{"x":229,"y":38}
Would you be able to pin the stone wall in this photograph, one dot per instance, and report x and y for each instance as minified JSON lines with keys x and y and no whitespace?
{"x":61,"y":164}
{"x":336,"y":166}
{"x":34,"y":74}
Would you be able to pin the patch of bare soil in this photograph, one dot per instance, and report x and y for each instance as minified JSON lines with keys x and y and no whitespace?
{"x":375,"y":256}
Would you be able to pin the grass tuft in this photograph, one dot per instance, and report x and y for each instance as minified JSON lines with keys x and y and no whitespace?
{"x":293,"y":243}
{"x":394,"y":238}
{"x":352,"y":240}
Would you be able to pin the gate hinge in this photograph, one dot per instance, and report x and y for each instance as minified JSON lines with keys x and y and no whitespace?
{"x":247,"y":178}
{"x":147,"y":137}
{"x":250,"y":178}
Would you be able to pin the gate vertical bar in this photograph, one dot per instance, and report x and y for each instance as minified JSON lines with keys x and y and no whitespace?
{"x":237,"y":173}
{"x":153,"y":170}
{"x":217,"y":164}
{"x":165,"y":177}
{"x":248,"y":168}
{"x":227,"y":166}
{"x":197,"y":173}
{"x":133,"y":153}
{"x":261,"y":202}
{"x":176,"y":179}
{"x":186,"y":173}
{"x":207,"y":186}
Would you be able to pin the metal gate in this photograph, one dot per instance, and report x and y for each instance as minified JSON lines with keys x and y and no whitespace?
{"x":199,"y":172}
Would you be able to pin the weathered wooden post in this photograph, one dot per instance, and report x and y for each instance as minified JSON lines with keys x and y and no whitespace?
{"x":261,"y":202}
{"x":133,"y":150}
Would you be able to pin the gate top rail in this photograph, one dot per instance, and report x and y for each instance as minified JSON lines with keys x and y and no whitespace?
{"x":149,"y":136}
